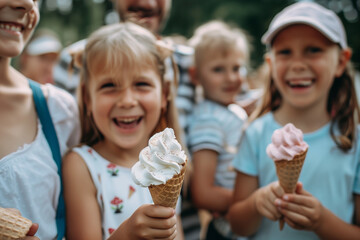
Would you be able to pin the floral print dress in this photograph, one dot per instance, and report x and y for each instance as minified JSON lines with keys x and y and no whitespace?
{"x":118,"y":196}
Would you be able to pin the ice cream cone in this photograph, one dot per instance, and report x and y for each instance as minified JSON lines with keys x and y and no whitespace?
{"x":13,"y":226}
{"x":288,"y":173}
{"x":167,"y":194}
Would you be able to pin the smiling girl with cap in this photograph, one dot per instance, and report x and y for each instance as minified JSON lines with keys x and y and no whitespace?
{"x":310,"y":86}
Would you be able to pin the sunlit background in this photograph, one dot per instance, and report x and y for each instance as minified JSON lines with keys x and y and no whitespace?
{"x":76,"y":19}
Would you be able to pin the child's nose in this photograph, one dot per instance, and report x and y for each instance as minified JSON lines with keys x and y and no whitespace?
{"x":298,"y":65}
{"x":232,"y":76}
{"x":25,"y":5}
{"x":127,"y":98}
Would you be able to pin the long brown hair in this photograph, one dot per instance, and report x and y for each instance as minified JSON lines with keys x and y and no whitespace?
{"x":117,"y":47}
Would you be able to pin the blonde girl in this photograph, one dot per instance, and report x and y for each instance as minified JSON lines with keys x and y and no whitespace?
{"x":312,"y":87}
{"x":124,"y":99}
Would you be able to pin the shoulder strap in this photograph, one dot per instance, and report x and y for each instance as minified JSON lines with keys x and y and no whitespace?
{"x":51,"y":137}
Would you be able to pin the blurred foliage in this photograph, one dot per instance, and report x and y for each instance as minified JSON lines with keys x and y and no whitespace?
{"x":252,"y":16}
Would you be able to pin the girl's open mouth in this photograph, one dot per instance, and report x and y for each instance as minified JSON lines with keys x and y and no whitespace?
{"x":303,"y":83}
{"x":127,"y":123}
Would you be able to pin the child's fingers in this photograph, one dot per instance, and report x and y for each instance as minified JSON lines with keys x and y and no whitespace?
{"x":298,"y":199}
{"x":270,"y":211}
{"x":293,"y":224}
{"x":33,"y":229}
{"x":276,"y":189}
{"x":271,"y":214}
{"x":157,"y":211}
{"x":168,"y":233}
{"x":164,"y":223}
{"x":295,"y":219}
{"x":265,"y":205}
{"x":297,"y":207}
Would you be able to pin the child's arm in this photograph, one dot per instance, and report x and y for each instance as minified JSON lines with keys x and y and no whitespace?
{"x":251,"y":204}
{"x":148,"y":222}
{"x":205,"y":193}
{"x":304,"y":212}
{"x":83,"y":218}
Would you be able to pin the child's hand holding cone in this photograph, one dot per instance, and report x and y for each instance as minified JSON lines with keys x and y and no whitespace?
{"x":288,"y":150}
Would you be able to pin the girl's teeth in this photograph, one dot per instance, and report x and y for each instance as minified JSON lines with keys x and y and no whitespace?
{"x":10,"y":27}
{"x":127,"y":120}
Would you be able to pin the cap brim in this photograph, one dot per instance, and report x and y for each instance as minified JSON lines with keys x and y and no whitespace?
{"x":268,"y":37}
{"x":43,"y":46}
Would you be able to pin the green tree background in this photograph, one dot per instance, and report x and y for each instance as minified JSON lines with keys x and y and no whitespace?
{"x":76,"y":19}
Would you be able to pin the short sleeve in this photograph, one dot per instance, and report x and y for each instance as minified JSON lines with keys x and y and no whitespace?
{"x":205,"y":133}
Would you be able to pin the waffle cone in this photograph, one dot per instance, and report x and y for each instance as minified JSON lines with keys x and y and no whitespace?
{"x":13,"y":226}
{"x":288,"y":173}
{"x":168,"y":193}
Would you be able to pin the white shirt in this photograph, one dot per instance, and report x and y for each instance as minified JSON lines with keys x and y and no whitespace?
{"x":29,"y":180}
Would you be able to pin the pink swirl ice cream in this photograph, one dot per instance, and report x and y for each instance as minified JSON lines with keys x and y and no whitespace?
{"x":287,"y":142}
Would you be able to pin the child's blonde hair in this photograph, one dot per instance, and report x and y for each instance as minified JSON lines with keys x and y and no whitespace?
{"x":116,"y":49}
{"x":217,"y":37}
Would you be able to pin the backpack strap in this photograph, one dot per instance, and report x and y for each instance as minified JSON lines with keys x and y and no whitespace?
{"x":51,"y":137}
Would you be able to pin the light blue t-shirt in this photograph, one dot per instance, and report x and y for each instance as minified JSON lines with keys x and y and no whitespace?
{"x":328,"y":173}
{"x":216,"y":127}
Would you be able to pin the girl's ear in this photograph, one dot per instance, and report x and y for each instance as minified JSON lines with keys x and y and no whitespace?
{"x":193,"y":75}
{"x":267,"y":59}
{"x":344,"y":58}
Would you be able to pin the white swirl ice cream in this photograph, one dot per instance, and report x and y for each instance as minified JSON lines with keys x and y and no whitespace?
{"x":162,"y":159}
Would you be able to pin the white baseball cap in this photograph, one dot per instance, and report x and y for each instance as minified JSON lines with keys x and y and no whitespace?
{"x":312,"y":14}
{"x":43,"y":45}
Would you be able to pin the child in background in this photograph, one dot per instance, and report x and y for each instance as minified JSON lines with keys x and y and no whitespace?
{"x":221,"y":52}
{"x":29,"y":179}
{"x":311,"y":86}
{"x":38,"y":60}
{"x":125,"y":97}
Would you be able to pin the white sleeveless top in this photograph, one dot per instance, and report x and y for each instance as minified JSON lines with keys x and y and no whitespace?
{"x":29,"y":180}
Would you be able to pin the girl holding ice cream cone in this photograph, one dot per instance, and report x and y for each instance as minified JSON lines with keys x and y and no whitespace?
{"x":310,"y":86}
{"x":125,"y":96}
